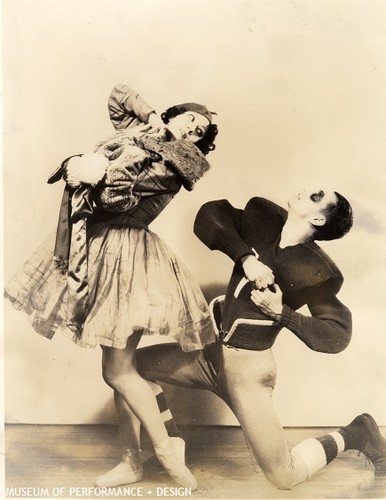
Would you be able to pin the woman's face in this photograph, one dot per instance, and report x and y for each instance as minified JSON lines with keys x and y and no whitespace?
{"x":190,"y":126}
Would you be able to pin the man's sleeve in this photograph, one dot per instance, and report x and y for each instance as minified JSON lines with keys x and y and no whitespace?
{"x":126,"y":106}
{"x":217,"y":225}
{"x":329,"y":327}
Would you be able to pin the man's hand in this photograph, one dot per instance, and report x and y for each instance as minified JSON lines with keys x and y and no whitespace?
{"x":257,"y":272}
{"x":269,"y":302}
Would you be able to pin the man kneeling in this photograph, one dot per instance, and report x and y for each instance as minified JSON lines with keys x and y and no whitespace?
{"x":278,"y":269}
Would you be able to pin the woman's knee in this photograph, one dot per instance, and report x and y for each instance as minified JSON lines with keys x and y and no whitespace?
{"x":109,"y":377}
{"x":115,"y":377}
{"x":117,"y":365}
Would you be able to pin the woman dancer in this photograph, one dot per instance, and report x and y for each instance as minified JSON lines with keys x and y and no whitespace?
{"x":110,"y":279}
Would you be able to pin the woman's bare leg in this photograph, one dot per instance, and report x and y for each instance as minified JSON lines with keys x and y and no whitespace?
{"x":120,"y":373}
{"x":129,"y":469}
{"x":128,"y":423}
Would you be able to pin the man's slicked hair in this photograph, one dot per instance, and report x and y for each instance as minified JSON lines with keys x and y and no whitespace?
{"x":339,"y":220}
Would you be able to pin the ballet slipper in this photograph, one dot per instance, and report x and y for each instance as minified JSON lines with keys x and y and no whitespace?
{"x":171,"y":454}
{"x":129,"y":470}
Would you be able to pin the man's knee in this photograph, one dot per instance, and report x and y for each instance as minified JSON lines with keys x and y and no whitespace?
{"x":281,"y":478}
{"x":287,"y":475}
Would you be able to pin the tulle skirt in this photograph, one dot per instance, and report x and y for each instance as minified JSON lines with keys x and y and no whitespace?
{"x":135,"y":283}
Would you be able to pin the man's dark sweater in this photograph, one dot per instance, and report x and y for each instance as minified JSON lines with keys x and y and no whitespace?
{"x":304,"y":273}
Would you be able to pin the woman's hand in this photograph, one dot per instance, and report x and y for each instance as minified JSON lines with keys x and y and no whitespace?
{"x":269,"y":302}
{"x":257,"y":272}
{"x":156,"y":121}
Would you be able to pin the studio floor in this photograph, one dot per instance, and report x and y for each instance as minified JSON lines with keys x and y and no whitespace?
{"x":62,"y":461}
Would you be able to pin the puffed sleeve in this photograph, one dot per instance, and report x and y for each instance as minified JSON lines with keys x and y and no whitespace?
{"x":116,"y":193}
{"x":127,"y":108}
{"x":217,"y":225}
{"x":329,"y":327}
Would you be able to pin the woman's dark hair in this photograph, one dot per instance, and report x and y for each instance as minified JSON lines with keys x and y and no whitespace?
{"x":339,"y":220}
{"x":206,"y":143}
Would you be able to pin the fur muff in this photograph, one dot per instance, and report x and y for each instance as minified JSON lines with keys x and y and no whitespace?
{"x":87,"y":169}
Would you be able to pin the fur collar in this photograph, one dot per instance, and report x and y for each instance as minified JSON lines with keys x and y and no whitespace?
{"x":182,"y":156}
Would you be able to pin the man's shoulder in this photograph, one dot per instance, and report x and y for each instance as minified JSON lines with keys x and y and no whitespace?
{"x":261,"y":222}
{"x":264,"y":213}
{"x":324,"y":265}
{"x":263,"y":204}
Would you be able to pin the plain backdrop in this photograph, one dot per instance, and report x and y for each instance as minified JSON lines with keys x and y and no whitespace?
{"x":299,"y":91}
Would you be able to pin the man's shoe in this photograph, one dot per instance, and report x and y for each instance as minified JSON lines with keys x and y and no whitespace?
{"x":364,"y":435}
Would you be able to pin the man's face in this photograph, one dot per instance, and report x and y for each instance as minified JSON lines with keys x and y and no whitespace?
{"x":310,"y":203}
{"x":190,"y":126}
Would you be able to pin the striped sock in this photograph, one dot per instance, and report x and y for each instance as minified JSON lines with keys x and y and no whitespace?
{"x":354,"y":435}
{"x":318,"y":452}
{"x":170,"y":424}
{"x":346,"y":439}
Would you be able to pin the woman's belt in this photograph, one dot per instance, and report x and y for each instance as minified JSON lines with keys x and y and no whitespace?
{"x":117,"y":219}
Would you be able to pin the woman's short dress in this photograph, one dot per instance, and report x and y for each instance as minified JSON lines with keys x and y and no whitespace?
{"x":135,"y":282}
